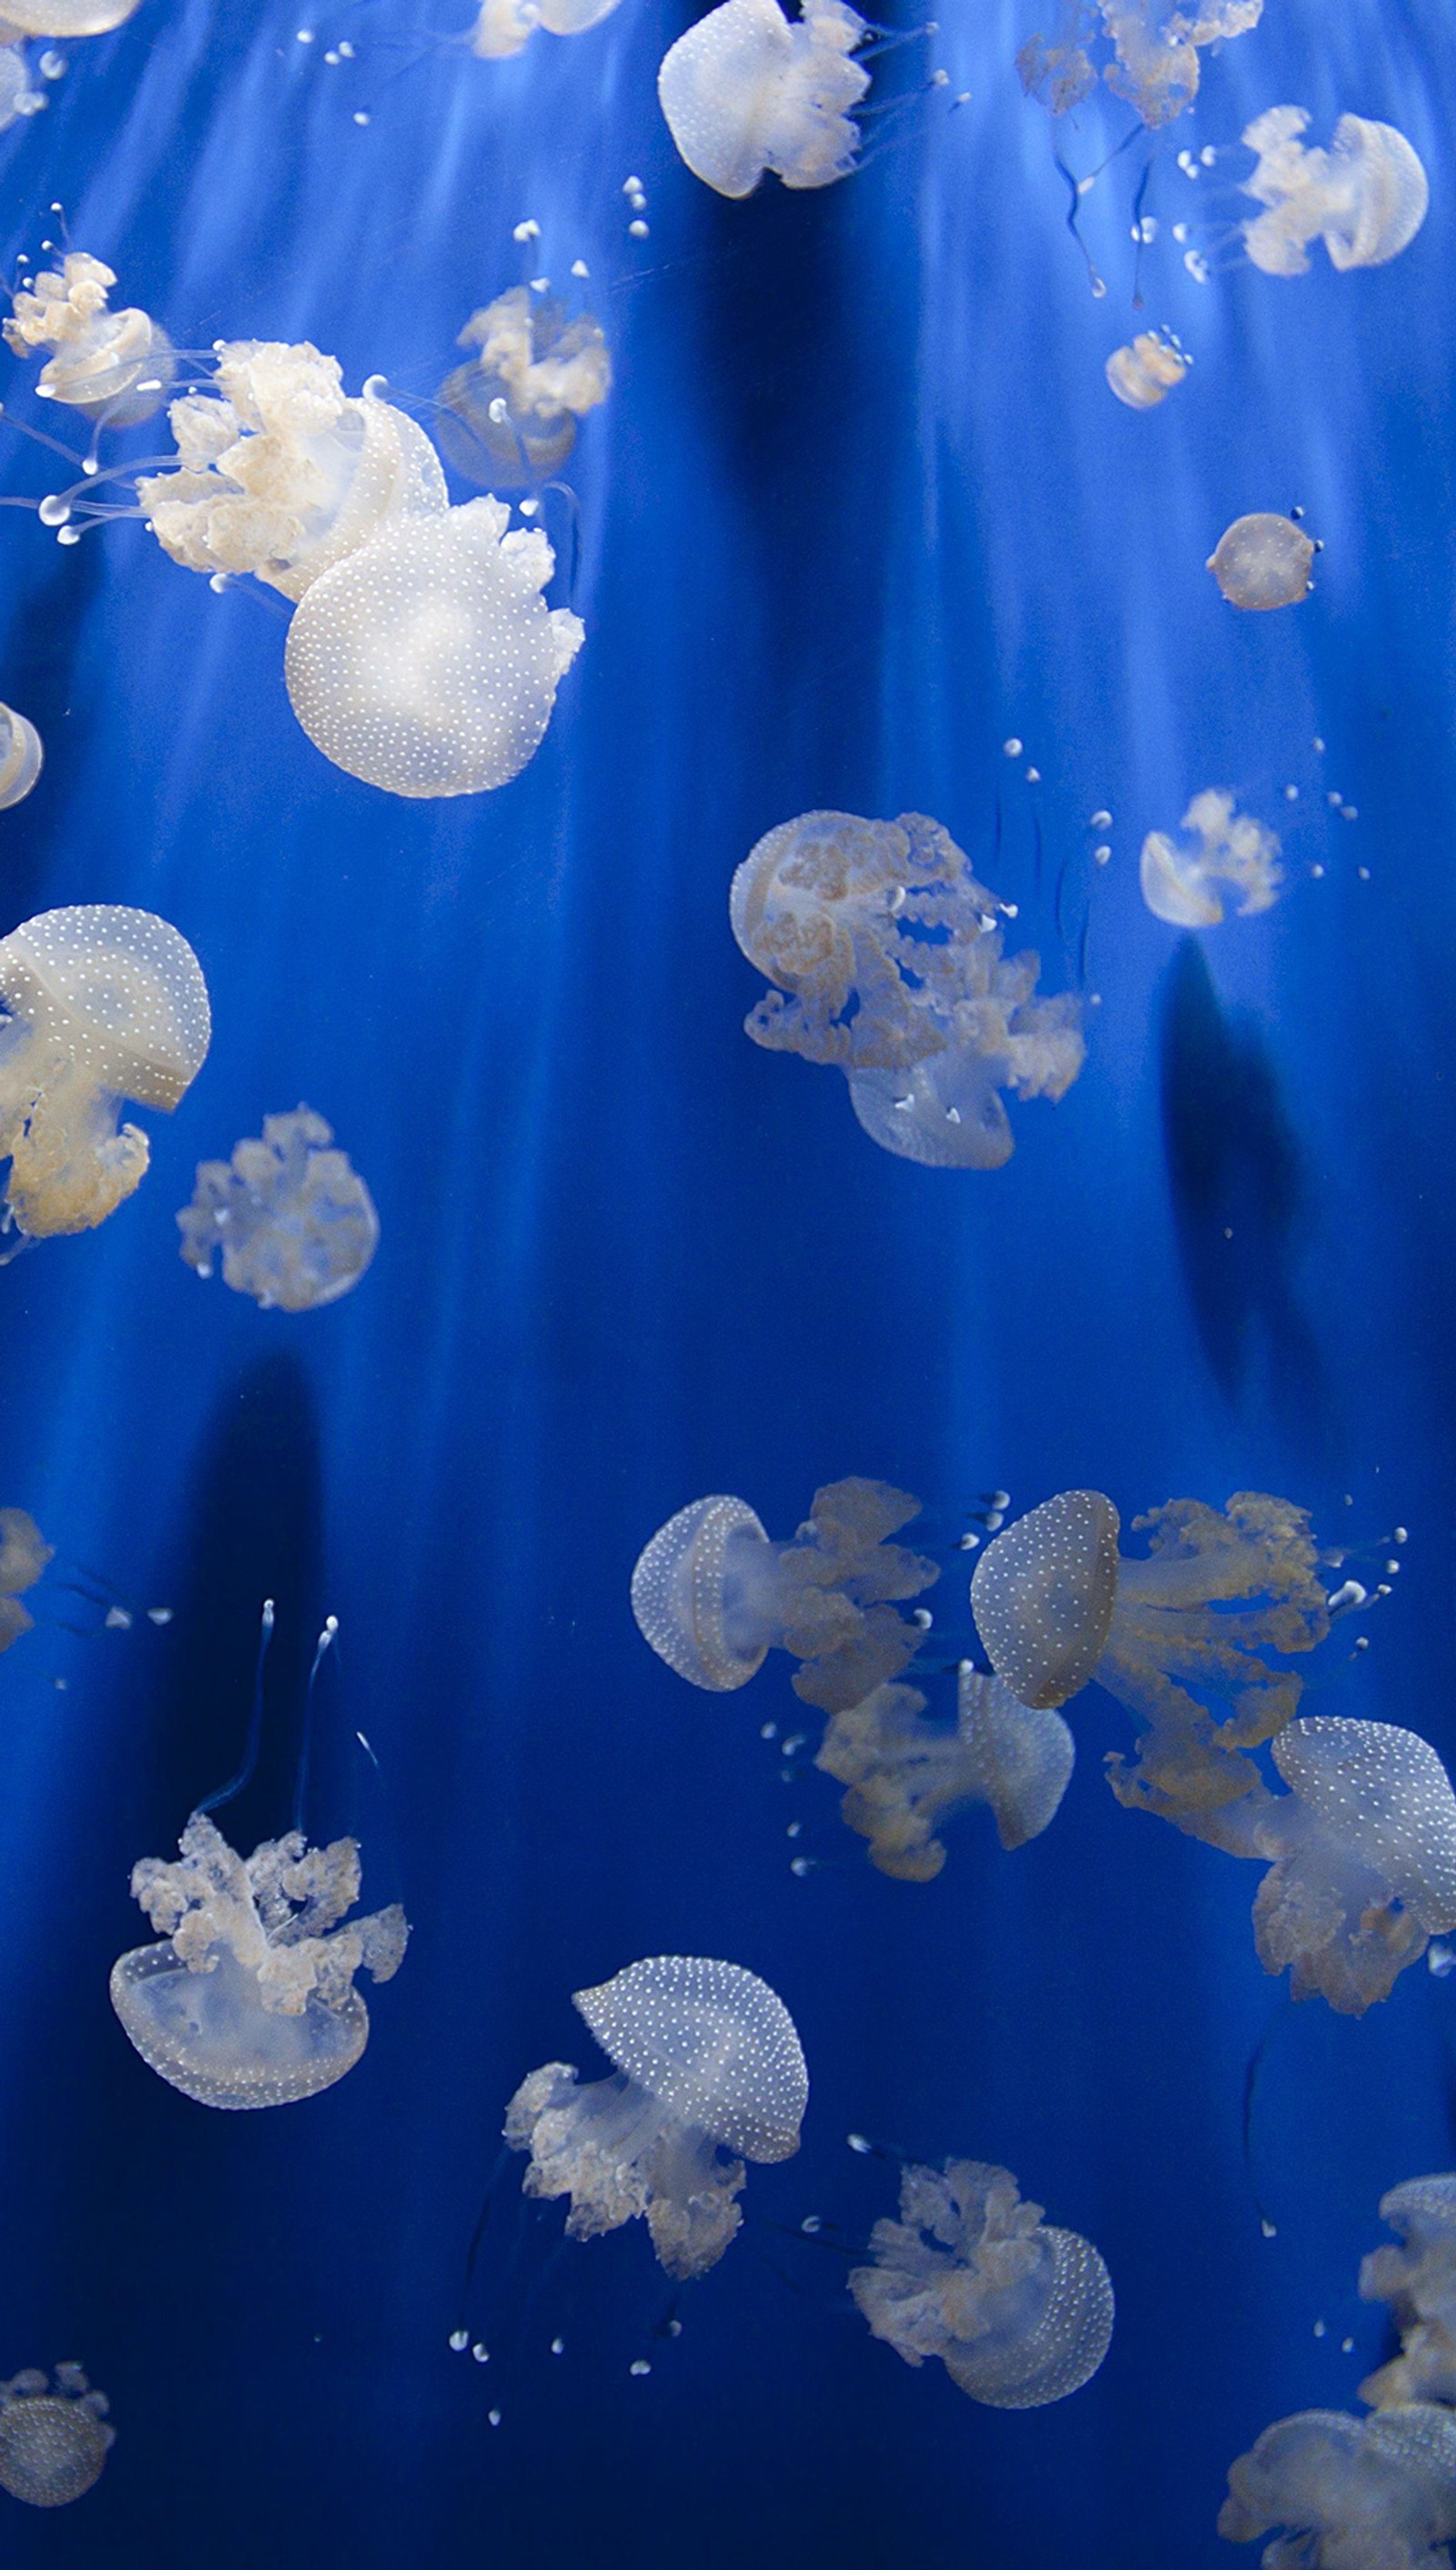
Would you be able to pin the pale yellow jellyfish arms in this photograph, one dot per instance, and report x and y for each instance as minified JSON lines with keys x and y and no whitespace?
{"x":1144,"y":373}
{"x":747,"y":90}
{"x":1179,"y":882}
{"x":1365,"y":198}
{"x":906,"y":1776}
{"x":1263,"y":561}
{"x":510,"y":416}
{"x":24,"y":1553}
{"x":22,"y":756}
{"x":505,"y":27}
{"x":1418,"y":2281}
{"x":114,"y":367}
{"x":1155,"y":49}
{"x":1347,"y":2493}
{"x":54,"y":2438}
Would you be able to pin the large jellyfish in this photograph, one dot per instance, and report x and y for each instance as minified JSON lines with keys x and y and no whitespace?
{"x":24,"y":1553}
{"x":890,"y":954}
{"x":1018,"y":2313}
{"x":53,"y":2440}
{"x":112,"y":366}
{"x":1350,"y":2493}
{"x":510,"y":416}
{"x":1180,"y":884}
{"x":1263,"y":561}
{"x":293,"y":1220}
{"x":505,"y":27}
{"x":1365,"y":198}
{"x":709,"y":2072}
{"x":67,"y":17}
{"x":747,"y":90}
{"x":714,"y":1595}
{"x":1154,"y":48}
{"x":104,"y":1004}
{"x":906,"y":1776}
{"x":21,"y":757}
{"x":1144,"y":373}
{"x":1418,"y":2281}
{"x":250,"y":1999}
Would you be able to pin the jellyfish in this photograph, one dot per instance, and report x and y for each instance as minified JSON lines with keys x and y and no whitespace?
{"x":510,"y":416}
{"x":53,"y":2442}
{"x":24,"y":1553}
{"x":714,"y":1595}
{"x":104,"y":1004}
{"x":111,"y":367}
{"x":1263,"y":561}
{"x":67,"y":17}
{"x":249,"y":2000}
{"x":709,"y":2072}
{"x":1350,"y":2493}
{"x":1365,"y":198}
{"x":1179,"y":883}
{"x":16,"y":98}
{"x":890,"y":954}
{"x":1018,"y":2314}
{"x":22,"y":756}
{"x":906,"y":1776}
{"x":1145,"y":373}
{"x":1418,"y":2281}
{"x":505,"y":27}
{"x":747,"y":90}
{"x":295,"y":1221}
{"x":1155,"y":47}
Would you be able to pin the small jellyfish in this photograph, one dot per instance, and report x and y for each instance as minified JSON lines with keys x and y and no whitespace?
{"x":906,"y":1776}
{"x":1145,"y":373}
{"x":22,"y":756}
{"x":1418,"y":2281}
{"x":250,"y":1999}
{"x":505,"y":27}
{"x":714,"y":1595}
{"x":709,"y":2072}
{"x":24,"y":1553}
{"x":1018,"y":2313}
{"x":510,"y":416}
{"x":111,"y":367}
{"x":1155,"y":47}
{"x":104,"y":1004}
{"x":1350,"y":2493}
{"x":1262,"y":561}
{"x":426,"y":662}
{"x":293,"y":1220}
{"x":890,"y":957}
{"x":53,"y":2442}
{"x":1178,"y":883}
{"x":747,"y":90}
{"x":1365,"y":198}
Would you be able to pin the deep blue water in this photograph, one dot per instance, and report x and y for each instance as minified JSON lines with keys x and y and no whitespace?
{"x":859,"y":509}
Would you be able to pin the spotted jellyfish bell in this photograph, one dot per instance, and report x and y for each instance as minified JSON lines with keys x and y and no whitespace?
{"x":114,"y":367}
{"x":53,"y":2442}
{"x":1418,"y":2281}
{"x":1349,"y":2493}
{"x":22,"y":756}
{"x":1144,"y":373}
{"x":747,"y":90}
{"x":1263,"y":561}
{"x":1179,"y":883}
{"x":1365,"y":198}
{"x":293,"y":1220}
{"x":510,"y":416}
{"x":907,"y":1777}
{"x":505,"y":27}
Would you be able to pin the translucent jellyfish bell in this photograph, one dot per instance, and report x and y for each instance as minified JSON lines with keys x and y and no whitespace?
{"x":104,"y":1004}
{"x":1155,"y":47}
{"x":1178,"y":883}
{"x":1144,"y":373}
{"x":510,"y":416}
{"x":747,"y":90}
{"x":1262,"y":561}
{"x":707,"y":2062}
{"x":24,"y":1553}
{"x":505,"y":27}
{"x":67,"y":16}
{"x":906,"y":1776}
{"x":1043,"y":1595}
{"x":1418,"y":2281}
{"x":1365,"y":198}
{"x":427,"y":663}
{"x":1018,"y":2313}
{"x":112,"y":366}
{"x":1349,"y":2493}
{"x":295,"y":1222}
{"x":22,"y":757}
{"x":53,"y":2440}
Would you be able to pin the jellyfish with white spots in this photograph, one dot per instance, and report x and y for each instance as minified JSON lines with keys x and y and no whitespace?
{"x":103,"y":1002}
{"x":1148,"y":52}
{"x":1179,"y":883}
{"x":510,"y":415}
{"x":505,"y":27}
{"x":292,"y":1220}
{"x":114,"y":367}
{"x":907,"y":1777}
{"x":1347,"y":2493}
{"x":1365,"y":198}
{"x":22,"y":756}
{"x":24,"y":1553}
{"x":1262,"y":562}
{"x":714,"y":1595}
{"x":1146,"y":370}
{"x":888,"y":961}
{"x":1418,"y":2281}
{"x":1019,"y":2312}
{"x":707,"y":2072}
{"x":747,"y":90}
{"x":54,"y":2437}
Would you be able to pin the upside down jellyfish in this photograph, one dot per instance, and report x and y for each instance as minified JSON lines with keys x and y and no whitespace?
{"x":747,"y":90}
{"x":1262,"y":561}
{"x":295,"y":1222}
{"x":24,"y":1553}
{"x":115,"y":366}
{"x":53,"y":2442}
{"x":1365,"y":198}
{"x":1418,"y":2281}
{"x":505,"y":27}
{"x":511,"y":414}
{"x":1179,"y":883}
{"x":1155,"y":50}
{"x":709,"y":2072}
{"x":1350,"y":2493}
{"x":906,"y":1776}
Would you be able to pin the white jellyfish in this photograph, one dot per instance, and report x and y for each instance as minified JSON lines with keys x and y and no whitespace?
{"x":24,"y":1553}
{"x":890,"y":955}
{"x":112,"y":366}
{"x":504,"y":27}
{"x":22,"y":756}
{"x":1263,"y":561}
{"x":747,"y":90}
{"x":1418,"y":2281}
{"x":1154,"y":44}
{"x":53,"y":2439}
{"x":250,"y":1999}
{"x":709,"y":2072}
{"x":907,"y":1777}
{"x":1144,"y":373}
{"x":293,"y":1220}
{"x":510,"y":416}
{"x":67,"y":17}
{"x":714,"y":1595}
{"x":1350,"y":2493}
{"x":1018,"y":2314}
{"x":1180,"y":884}
{"x":104,"y":1004}
{"x":16,"y":98}
{"x":1365,"y":198}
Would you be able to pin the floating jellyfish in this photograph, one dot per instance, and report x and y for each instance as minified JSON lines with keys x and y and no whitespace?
{"x":1178,"y":883}
{"x":1418,"y":2281}
{"x":1145,"y":373}
{"x":709,"y":2072}
{"x":24,"y":1553}
{"x":1263,"y":561}
{"x":510,"y":416}
{"x":714,"y":1595}
{"x":747,"y":90}
{"x":293,"y":1220}
{"x":22,"y":756}
{"x":67,"y":17}
{"x":505,"y":27}
{"x":890,"y":954}
{"x":1365,"y":198}
{"x":250,"y":1999}
{"x":1018,"y":2314}
{"x":53,"y":2442}
{"x":1155,"y":50}
{"x":104,"y":1004}
{"x":111,"y":367}
{"x":16,"y":98}
{"x":1350,"y":2493}
{"x":906,"y":1776}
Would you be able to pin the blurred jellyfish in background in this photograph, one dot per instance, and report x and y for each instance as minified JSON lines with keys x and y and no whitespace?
{"x":890,"y":955}
{"x":53,"y":2442}
{"x":1263,"y":561}
{"x":1146,"y":371}
{"x":16,"y":98}
{"x":1418,"y":2281}
{"x":104,"y":1004}
{"x":709,"y":2072}
{"x":22,"y":756}
{"x":1365,"y":198}
{"x":249,"y":2000}
{"x":907,"y":1777}
{"x":67,"y":17}
{"x":1350,"y":2493}
{"x":505,"y":27}
{"x":295,"y":1222}
{"x":714,"y":1595}
{"x":1154,"y":48}
{"x":747,"y":90}
{"x":510,"y":416}
{"x":1225,"y":847}
{"x":111,"y":367}
{"x":1018,"y":2314}
{"x":24,"y":1553}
